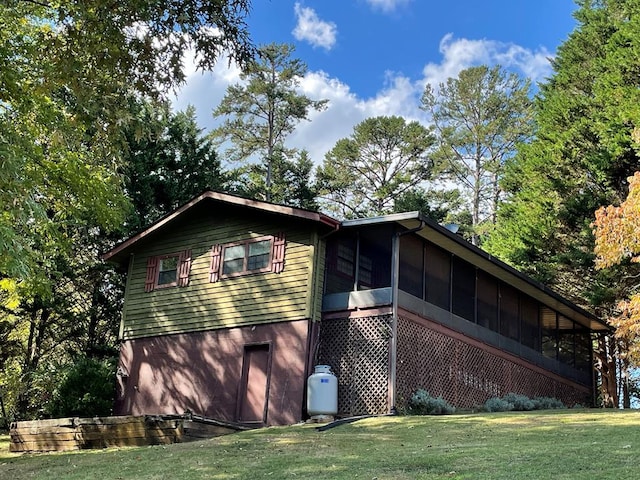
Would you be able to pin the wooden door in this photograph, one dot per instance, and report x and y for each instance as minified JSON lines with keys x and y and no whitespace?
{"x":254,"y":386}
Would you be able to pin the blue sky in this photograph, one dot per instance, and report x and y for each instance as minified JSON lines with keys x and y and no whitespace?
{"x":374,"y":57}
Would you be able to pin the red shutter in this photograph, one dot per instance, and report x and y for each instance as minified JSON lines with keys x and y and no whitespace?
{"x":152,"y":274}
{"x":184,"y":267}
{"x":277,"y":264}
{"x":214,"y":269}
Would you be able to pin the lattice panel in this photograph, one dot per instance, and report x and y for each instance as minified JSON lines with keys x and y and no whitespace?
{"x":358,"y":351}
{"x":465,"y":375}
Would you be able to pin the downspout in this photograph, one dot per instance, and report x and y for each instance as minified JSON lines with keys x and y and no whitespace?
{"x":393,"y":345}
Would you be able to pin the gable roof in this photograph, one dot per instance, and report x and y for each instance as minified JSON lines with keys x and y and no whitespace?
{"x":118,"y":253}
{"x":430,"y":230}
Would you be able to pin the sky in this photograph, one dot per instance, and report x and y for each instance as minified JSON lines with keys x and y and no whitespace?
{"x":374,"y":57}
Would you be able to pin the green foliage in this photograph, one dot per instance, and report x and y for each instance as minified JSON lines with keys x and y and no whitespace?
{"x":87,"y":389}
{"x":367,"y":173}
{"x":547,"y":403}
{"x":261,"y":113}
{"x":168,"y":161}
{"x":62,"y":112}
{"x":480,"y":118}
{"x":521,"y":403}
{"x":496,"y":404}
{"x":421,"y":403}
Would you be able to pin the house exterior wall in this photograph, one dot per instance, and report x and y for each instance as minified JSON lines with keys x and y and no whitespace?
{"x":230,"y":302}
{"x":203,"y":372}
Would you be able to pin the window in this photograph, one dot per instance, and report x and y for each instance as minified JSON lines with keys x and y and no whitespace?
{"x":168,"y":270}
{"x":248,"y":257}
{"x":264,"y":254}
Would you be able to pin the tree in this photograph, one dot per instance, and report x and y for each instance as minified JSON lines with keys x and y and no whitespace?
{"x":168,"y":161}
{"x":367,"y":173}
{"x":68,"y":73}
{"x":62,"y":112}
{"x":586,"y":146}
{"x":617,"y":244}
{"x":263,"y":110}
{"x":479,"y":117}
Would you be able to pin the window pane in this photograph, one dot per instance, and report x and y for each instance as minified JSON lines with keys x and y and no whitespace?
{"x":232,"y":266}
{"x":233,"y":260}
{"x":259,"y":253}
{"x":168,"y":270}
{"x":232,"y":253}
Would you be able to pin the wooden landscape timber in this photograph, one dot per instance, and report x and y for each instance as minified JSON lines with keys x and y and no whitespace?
{"x":75,"y":433}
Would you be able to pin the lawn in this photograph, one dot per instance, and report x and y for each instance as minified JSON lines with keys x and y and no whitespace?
{"x":569,"y":444}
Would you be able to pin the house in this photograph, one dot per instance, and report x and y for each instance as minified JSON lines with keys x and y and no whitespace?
{"x":230,"y":302}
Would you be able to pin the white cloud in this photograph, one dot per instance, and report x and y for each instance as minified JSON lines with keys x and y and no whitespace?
{"x":462,"y":53}
{"x":399,"y":95}
{"x":313,"y":30}
{"x":387,"y":5}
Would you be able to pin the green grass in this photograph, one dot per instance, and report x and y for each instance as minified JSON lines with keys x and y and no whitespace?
{"x":565,"y":444}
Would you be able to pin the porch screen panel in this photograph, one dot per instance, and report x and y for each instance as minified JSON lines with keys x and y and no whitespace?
{"x":566,"y":340}
{"x":438,"y":276}
{"x":411,"y":266}
{"x":487,"y":301}
{"x":463,"y":289}
{"x":530,"y":322}
{"x":509,"y":312}
{"x":583,"y":349}
{"x":549,"y":332}
{"x":341,"y":261}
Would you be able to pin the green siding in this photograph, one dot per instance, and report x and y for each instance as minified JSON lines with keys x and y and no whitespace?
{"x":251,"y":299}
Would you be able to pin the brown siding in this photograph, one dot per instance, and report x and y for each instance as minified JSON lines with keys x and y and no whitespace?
{"x":230,"y":302}
{"x":202,"y":372}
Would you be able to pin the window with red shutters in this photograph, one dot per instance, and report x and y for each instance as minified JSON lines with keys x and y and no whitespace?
{"x":256,"y":255}
{"x":169,"y":270}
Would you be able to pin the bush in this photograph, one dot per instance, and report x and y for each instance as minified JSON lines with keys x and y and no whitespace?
{"x":521,"y":403}
{"x":87,"y":390}
{"x":547,"y":403}
{"x":496,"y":404}
{"x":421,"y":403}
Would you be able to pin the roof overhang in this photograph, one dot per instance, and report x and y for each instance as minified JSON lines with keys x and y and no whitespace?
{"x":121,"y":249}
{"x":458,"y":246}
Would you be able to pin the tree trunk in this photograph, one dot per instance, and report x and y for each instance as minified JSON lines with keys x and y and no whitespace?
{"x":606,"y":367}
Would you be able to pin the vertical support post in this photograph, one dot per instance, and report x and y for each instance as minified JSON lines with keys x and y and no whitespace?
{"x":393,"y":343}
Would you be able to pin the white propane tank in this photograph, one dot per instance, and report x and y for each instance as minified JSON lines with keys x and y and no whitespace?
{"x":322,"y":392}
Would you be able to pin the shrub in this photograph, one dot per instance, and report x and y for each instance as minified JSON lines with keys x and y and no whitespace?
{"x":521,"y":403}
{"x":547,"y":403}
{"x":496,"y":404}
{"x":88,"y":389}
{"x":421,"y":403}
